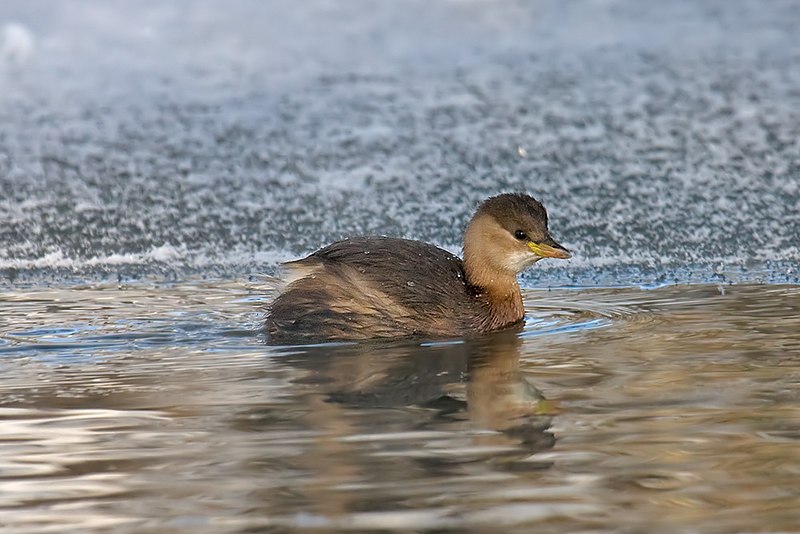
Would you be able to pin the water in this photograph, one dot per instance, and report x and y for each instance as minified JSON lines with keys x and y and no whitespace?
{"x":160,"y":407}
{"x":156,"y":161}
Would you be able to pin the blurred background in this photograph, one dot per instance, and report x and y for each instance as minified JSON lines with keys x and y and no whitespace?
{"x":185,"y":139}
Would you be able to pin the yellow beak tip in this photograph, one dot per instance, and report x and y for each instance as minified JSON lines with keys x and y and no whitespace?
{"x":547,"y":251}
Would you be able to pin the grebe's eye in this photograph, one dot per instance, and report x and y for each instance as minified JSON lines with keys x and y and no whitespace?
{"x":521,"y":235}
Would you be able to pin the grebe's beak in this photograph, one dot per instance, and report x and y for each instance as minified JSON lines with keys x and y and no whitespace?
{"x":549,"y":249}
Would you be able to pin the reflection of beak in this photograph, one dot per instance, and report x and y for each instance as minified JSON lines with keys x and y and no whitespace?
{"x":549,"y":249}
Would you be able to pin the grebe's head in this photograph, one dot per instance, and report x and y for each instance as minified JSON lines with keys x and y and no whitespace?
{"x":507,"y":234}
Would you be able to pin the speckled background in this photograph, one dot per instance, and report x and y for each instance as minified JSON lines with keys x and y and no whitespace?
{"x":172,"y":139}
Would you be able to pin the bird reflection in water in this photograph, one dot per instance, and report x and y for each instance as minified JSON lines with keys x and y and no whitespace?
{"x":385,"y":417}
{"x":444,"y":385}
{"x":476,"y":380}
{"x":380,"y":426}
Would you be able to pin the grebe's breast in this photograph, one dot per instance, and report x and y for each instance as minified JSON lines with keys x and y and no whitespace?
{"x":375,"y":287}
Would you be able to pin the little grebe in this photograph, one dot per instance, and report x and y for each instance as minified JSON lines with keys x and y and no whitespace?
{"x":383,"y":287}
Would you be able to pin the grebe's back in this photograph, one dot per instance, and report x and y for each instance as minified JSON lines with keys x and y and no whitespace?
{"x":373,"y":287}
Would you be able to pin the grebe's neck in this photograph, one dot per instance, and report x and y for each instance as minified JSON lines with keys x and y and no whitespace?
{"x":494,"y":284}
{"x":503,"y":305}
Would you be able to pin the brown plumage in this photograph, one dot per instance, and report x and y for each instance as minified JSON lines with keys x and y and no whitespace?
{"x":383,"y":287}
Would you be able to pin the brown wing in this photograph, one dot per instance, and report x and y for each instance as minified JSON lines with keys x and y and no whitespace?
{"x":416,"y":274}
{"x":373,"y":287}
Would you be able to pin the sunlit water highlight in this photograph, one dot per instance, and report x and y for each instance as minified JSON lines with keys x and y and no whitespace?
{"x":157,"y":407}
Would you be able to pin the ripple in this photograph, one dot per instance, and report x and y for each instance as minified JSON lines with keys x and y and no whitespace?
{"x":564,"y":313}
{"x":85,"y":323}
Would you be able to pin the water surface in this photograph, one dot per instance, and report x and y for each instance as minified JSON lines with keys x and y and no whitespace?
{"x":157,"y":407}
